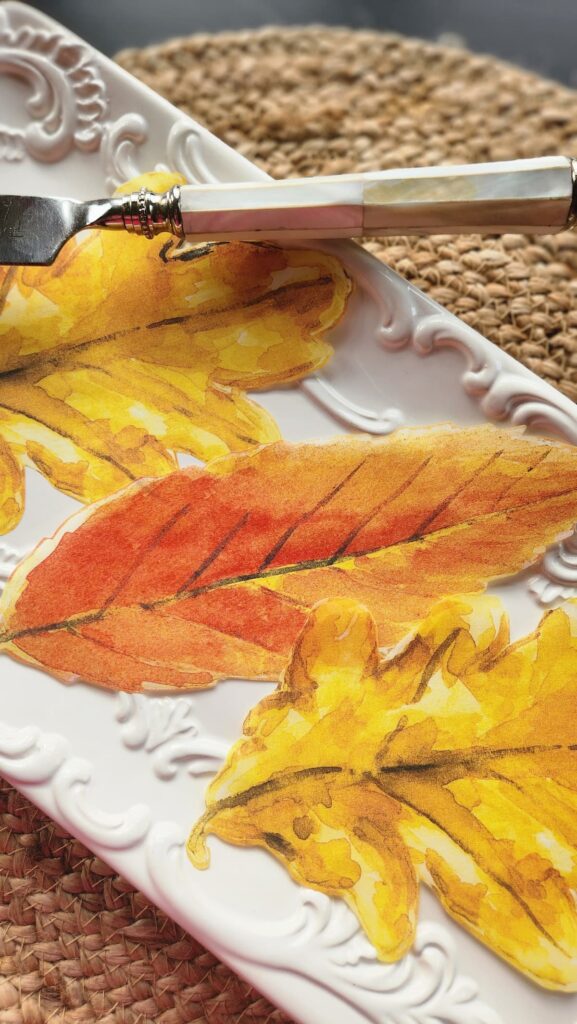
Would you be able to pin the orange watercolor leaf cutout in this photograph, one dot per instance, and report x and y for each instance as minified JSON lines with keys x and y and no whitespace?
{"x":126,"y":352}
{"x":452,"y":761}
{"x":211,"y":573}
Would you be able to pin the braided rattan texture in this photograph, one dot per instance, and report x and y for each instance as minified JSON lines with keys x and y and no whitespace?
{"x":77,"y":944}
{"x":324,"y":101}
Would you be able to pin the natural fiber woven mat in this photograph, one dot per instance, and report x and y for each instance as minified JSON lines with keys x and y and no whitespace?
{"x":77,"y":944}
{"x":324,"y":101}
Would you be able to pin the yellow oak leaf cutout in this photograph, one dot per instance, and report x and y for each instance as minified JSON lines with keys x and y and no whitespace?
{"x":125,"y":352}
{"x":452,"y":761}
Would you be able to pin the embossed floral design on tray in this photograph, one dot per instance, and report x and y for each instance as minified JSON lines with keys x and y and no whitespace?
{"x":80,"y":109}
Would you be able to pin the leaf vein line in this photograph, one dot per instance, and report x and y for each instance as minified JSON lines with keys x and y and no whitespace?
{"x":486,"y":868}
{"x":444,"y":760}
{"x":433,"y":663}
{"x":55,"y":355}
{"x":215,"y":553}
{"x":339,"y":553}
{"x":145,"y":551}
{"x":104,"y":456}
{"x":447,"y":502}
{"x":249,"y":577}
{"x":321,"y":503}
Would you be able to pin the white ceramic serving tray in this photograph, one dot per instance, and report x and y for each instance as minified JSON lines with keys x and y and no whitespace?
{"x":126,"y":774}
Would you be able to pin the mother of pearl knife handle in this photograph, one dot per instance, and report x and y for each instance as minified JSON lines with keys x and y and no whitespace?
{"x":535,"y":196}
{"x":520,"y":196}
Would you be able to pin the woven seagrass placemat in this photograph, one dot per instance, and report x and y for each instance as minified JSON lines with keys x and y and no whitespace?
{"x":77,"y":944}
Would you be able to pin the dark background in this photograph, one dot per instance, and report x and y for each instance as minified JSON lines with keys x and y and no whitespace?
{"x":538,"y":34}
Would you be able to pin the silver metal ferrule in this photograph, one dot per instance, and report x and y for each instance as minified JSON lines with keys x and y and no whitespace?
{"x":146,"y":213}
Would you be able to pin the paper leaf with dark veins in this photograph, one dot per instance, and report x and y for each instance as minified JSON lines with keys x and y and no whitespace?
{"x":210,"y":573}
{"x":126,"y":352}
{"x":452,"y":762}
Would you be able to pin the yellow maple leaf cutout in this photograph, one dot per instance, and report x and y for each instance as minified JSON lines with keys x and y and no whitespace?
{"x":127,"y":351}
{"x":451,"y":761}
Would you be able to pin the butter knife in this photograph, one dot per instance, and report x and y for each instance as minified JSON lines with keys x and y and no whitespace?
{"x":535,"y":196}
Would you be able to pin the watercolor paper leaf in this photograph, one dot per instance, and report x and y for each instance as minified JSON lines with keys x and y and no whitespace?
{"x":210,"y":573}
{"x":453,"y":762}
{"x":127,"y":351}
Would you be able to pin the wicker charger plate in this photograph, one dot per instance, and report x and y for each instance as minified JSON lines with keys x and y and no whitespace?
{"x":76,"y":943}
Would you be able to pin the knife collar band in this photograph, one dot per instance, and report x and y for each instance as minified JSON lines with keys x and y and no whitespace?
{"x":151,"y":213}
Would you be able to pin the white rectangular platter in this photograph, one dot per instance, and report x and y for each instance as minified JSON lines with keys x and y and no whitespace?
{"x":126,"y":774}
